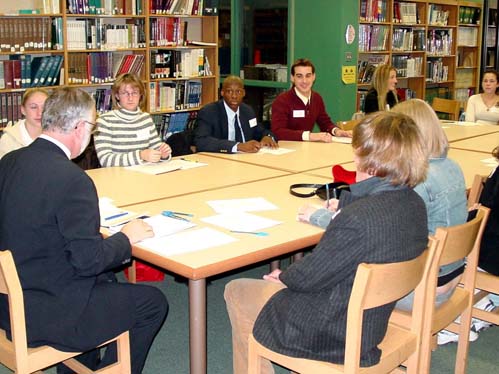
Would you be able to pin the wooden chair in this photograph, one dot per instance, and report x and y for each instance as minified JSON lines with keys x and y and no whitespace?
{"x":456,"y":242}
{"x":18,"y":357}
{"x":448,"y":106}
{"x":485,"y":282}
{"x":374,"y":285}
{"x":348,"y":125}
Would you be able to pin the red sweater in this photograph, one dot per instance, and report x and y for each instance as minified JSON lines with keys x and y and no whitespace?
{"x":291,"y":117}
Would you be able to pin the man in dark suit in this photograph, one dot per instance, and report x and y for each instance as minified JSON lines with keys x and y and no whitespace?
{"x":49,"y":219}
{"x":229,"y":125}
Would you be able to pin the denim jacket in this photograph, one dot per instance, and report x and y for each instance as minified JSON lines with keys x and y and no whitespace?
{"x":444,"y":194}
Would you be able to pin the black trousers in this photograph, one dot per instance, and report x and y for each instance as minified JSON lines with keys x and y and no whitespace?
{"x":112,"y":309}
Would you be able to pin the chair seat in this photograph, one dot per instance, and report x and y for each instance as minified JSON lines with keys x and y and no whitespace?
{"x":398,"y":342}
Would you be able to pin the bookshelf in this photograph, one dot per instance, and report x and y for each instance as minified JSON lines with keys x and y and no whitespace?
{"x":87,"y":43}
{"x":434,"y":46}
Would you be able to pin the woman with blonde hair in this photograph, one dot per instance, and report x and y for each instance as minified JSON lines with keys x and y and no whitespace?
{"x":126,"y":136}
{"x":383,"y":94}
{"x":27,"y":129}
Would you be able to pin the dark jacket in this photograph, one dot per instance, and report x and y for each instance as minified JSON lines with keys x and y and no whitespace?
{"x":489,"y":250}
{"x":212,"y":131}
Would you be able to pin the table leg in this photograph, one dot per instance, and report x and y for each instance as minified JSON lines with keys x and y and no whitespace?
{"x":197,"y":326}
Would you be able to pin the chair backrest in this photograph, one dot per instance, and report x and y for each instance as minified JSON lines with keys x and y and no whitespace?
{"x":11,"y":286}
{"x":451,"y":107}
{"x":476,"y":190}
{"x":348,"y":125}
{"x":380,"y":284}
{"x":463,"y":241}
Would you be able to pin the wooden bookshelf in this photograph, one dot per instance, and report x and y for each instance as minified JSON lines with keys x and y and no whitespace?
{"x":434,"y":45}
{"x":87,"y":45}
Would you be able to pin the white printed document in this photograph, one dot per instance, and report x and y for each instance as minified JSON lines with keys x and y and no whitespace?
{"x":165,"y":166}
{"x":241,"y":205}
{"x":278,"y":151}
{"x":241,"y":221}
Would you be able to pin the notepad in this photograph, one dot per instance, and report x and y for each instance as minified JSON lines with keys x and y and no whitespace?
{"x":165,"y":166}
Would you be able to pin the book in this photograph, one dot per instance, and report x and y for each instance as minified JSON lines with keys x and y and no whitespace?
{"x":54,"y":72}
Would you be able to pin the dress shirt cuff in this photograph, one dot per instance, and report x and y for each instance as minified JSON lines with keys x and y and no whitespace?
{"x":234,"y":148}
{"x":333,"y":131}
{"x":305,"y":136}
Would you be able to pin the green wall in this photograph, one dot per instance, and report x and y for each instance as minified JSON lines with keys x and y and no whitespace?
{"x":317,"y":31}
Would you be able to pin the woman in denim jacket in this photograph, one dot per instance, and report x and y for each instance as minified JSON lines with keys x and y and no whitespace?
{"x":443,"y":191}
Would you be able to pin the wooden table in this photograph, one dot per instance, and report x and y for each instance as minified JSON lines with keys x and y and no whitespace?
{"x":128,"y":187}
{"x":306,"y":156}
{"x":483,"y":143}
{"x":456,"y":132}
{"x":288,"y":237}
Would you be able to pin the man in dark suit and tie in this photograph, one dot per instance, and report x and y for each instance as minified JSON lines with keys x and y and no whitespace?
{"x":229,"y":125}
{"x":49,"y":219}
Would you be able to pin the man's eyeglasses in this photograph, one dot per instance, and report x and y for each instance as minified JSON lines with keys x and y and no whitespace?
{"x":93,"y":127}
{"x":129,"y":94}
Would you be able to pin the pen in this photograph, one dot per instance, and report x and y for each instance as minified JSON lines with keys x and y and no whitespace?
{"x":327,"y":195}
{"x":186,"y":159}
{"x":116,"y":216}
{"x":182,"y":214}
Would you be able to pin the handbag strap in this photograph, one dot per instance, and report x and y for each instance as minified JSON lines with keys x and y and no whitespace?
{"x":294,"y":187}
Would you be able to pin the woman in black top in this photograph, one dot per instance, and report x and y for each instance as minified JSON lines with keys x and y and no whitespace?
{"x":384,"y":81}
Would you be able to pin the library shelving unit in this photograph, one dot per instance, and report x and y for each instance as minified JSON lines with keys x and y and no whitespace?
{"x":433,"y":45}
{"x":87,"y":43}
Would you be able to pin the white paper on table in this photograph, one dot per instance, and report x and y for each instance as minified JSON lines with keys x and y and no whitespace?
{"x":165,"y":166}
{"x":162,"y":226}
{"x":278,"y":151}
{"x":491,"y":161}
{"x":342,"y":139}
{"x":241,"y":221}
{"x":251,"y":204}
{"x":108,"y":210}
{"x":463,"y":123}
{"x":188,"y":241}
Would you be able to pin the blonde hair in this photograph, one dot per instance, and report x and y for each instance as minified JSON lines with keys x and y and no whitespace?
{"x":132,"y":80}
{"x":429,"y":125}
{"x":390,"y":145}
{"x":380,"y":84}
{"x":31,"y":91}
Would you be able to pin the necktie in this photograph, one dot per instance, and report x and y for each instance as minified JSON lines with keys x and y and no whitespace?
{"x":237,"y":129}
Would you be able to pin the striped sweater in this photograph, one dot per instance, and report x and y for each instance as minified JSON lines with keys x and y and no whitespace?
{"x":122,"y":134}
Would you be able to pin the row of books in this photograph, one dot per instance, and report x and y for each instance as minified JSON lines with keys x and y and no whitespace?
{"x":184,"y":7}
{"x":30,"y":34}
{"x":179,"y":95}
{"x":170,"y":123}
{"x":170,"y":31}
{"x":405,"y":93}
{"x":24,"y":71}
{"x":436,"y":71}
{"x":462,"y":94}
{"x":105,"y":7}
{"x":464,"y":78}
{"x":408,"y":66}
{"x":178,"y":63}
{"x":373,"y":10}
{"x":405,"y":13}
{"x":467,"y":36}
{"x":439,"y":42}
{"x":102,"y":67}
{"x":437,"y":15}
{"x":408,"y":39}
{"x":103,"y":99}
{"x":469,"y":15}
{"x":96,"y":34}
{"x":10,"y":108}
{"x":373,"y":38}
{"x":366,"y":67}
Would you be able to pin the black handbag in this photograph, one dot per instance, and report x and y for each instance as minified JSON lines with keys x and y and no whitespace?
{"x":324,"y":191}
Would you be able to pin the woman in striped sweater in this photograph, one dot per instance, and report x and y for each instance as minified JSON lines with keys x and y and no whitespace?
{"x":127,"y":136}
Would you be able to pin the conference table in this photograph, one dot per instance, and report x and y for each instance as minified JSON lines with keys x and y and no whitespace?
{"x":464,"y":130}
{"x":303,"y":156}
{"x":248,"y":249}
{"x":243,"y":176}
{"x":482,"y":143}
{"x":126,"y":187}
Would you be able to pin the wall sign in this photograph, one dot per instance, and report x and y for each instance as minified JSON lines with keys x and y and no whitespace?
{"x":350,"y":34}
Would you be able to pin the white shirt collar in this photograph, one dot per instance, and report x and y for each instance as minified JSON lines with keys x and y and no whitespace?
{"x":230,"y":113}
{"x":303,"y":98}
{"x":57,"y":143}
